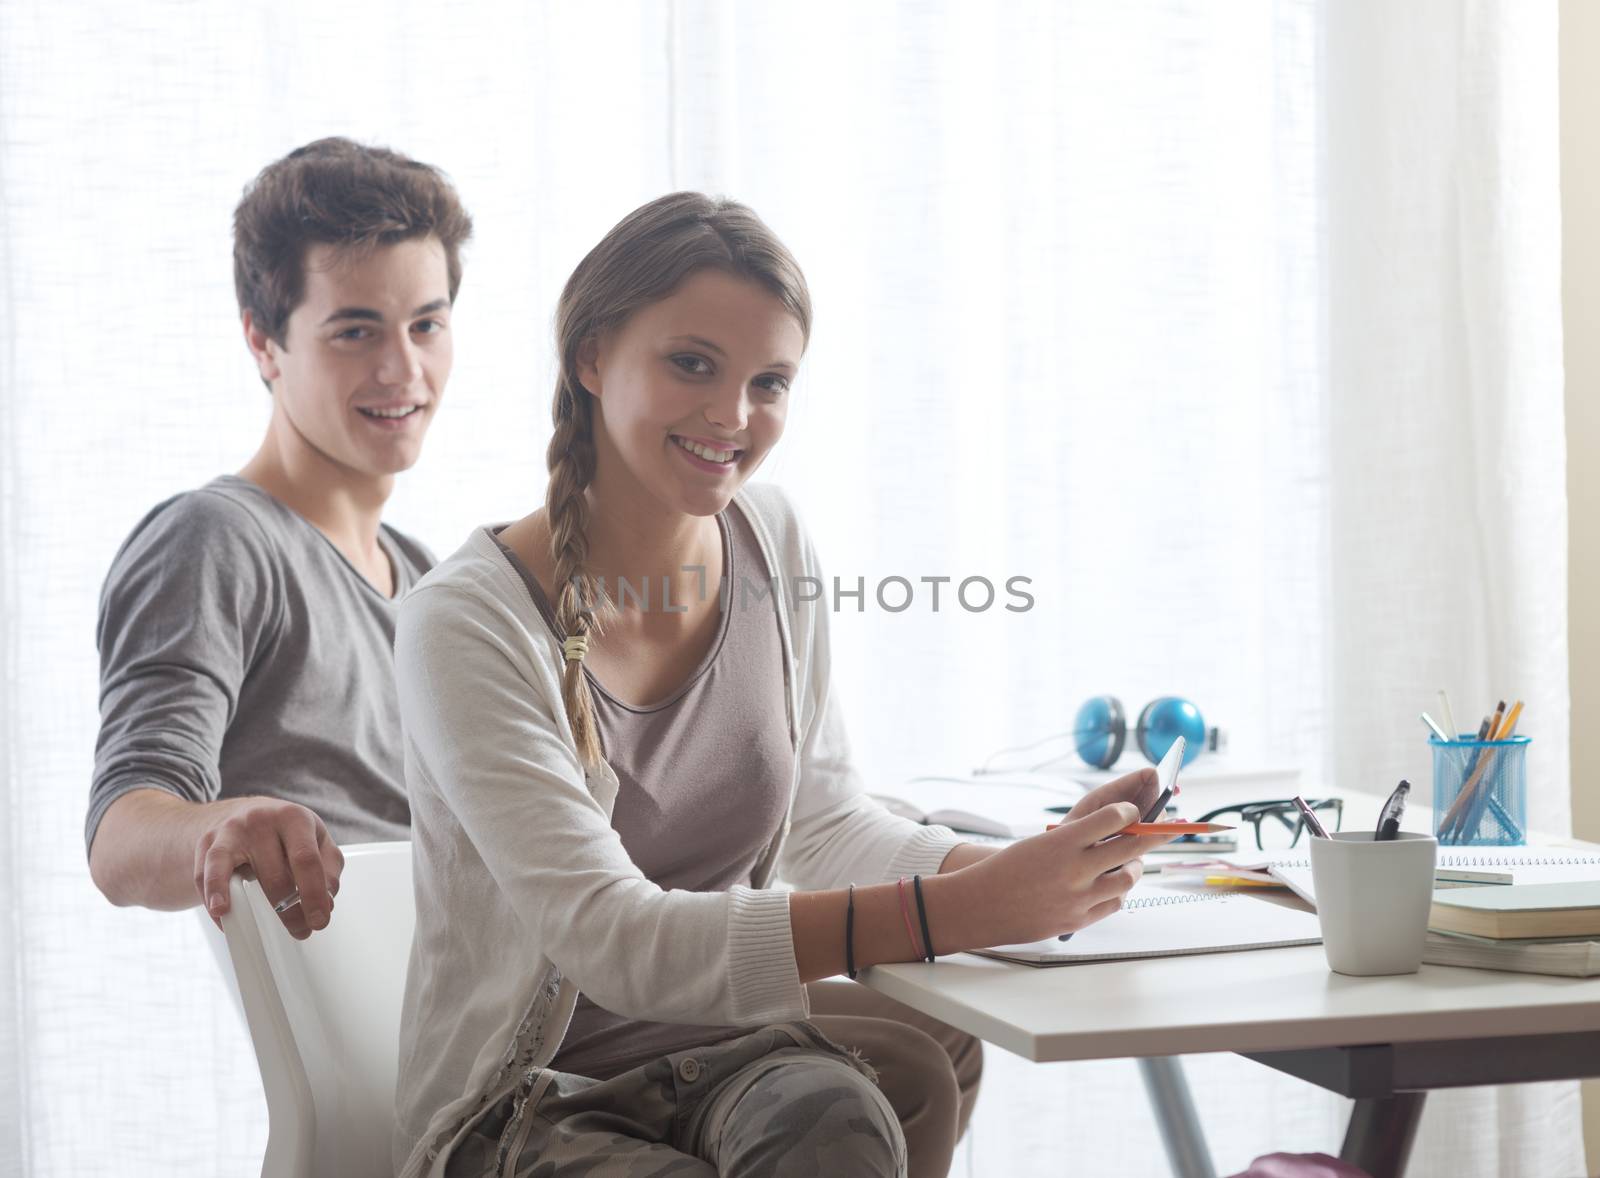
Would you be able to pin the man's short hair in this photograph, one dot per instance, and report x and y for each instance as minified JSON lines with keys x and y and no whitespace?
{"x":342,"y":193}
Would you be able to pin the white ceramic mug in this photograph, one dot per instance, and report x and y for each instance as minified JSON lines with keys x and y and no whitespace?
{"x":1373,"y":900}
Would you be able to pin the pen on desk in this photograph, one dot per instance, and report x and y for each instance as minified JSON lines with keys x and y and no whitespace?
{"x":1389,"y":818}
{"x":1313,"y":823}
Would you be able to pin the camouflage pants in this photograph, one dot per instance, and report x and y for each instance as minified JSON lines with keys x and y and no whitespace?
{"x":929,"y":1071}
{"x":782,"y":1100}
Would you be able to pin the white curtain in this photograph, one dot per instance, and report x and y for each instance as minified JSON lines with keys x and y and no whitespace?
{"x":1235,"y":327}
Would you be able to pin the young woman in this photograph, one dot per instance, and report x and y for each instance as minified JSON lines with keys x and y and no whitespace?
{"x":619,"y":738}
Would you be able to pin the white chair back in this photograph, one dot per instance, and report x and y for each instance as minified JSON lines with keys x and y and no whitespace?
{"x":324,"y":1016}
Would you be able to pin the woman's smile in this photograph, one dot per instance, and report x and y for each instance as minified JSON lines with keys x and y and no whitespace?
{"x":712,"y":459}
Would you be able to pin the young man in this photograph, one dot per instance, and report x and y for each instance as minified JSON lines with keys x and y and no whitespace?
{"x":248,"y":713}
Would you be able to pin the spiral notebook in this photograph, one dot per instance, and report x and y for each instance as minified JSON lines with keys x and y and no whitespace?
{"x":1171,"y":923}
{"x":1528,"y":865}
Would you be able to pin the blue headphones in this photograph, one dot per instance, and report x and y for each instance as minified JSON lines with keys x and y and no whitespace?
{"x":1100,"y":731}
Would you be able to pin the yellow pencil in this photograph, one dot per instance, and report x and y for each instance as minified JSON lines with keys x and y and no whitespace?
{"x":1510,"y":726}
{"x":1470,"y":807}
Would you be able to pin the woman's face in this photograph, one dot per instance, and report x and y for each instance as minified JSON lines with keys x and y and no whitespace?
{"x":691,"y":392}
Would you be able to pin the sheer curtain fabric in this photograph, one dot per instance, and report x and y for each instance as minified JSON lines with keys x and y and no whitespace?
{"x":1234,"y":328}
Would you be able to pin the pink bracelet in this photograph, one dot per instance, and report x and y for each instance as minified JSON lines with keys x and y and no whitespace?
{"x":905,"y":911}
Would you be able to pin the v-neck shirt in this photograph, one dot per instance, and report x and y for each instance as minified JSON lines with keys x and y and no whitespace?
{"x":241,"y":652}
{"x":703,"y":778}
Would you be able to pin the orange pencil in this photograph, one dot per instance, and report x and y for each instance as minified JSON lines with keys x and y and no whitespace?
{"x":1166,"y":828}
{"x":1174,"y":828}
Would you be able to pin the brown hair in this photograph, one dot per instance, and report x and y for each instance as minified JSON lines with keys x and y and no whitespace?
{"x":644,"y":258}
{"x":336,"y":192}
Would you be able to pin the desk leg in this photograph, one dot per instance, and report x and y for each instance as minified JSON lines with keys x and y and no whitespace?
{"x":1381,"y":1132}
{"x":1181,"y":1134}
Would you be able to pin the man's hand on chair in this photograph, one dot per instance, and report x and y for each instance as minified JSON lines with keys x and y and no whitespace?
{"x":286,"y":847}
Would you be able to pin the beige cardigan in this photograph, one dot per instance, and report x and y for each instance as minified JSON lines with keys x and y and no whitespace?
{"x":525,"y":896}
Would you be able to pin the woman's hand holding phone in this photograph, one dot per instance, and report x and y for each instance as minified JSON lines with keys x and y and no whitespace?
{"x":1140,"y":788}
{"x":1063,"y":879}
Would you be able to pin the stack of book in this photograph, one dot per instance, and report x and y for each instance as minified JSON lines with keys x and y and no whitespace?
{"x":1529,"y":928}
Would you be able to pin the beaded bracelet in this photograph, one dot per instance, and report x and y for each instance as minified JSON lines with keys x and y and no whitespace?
{"x":850,"y":934}
{"x":922,"y":915}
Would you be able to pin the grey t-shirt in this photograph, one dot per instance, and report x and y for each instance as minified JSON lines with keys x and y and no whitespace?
{"x":703,"y":779}
{"x":241,"y":653}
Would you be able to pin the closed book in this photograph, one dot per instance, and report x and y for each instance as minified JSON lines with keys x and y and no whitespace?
{"x":1566,"y":958}
{"x":1519,"y":911}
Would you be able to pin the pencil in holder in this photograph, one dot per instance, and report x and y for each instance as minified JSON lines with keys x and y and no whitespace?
{"x":1480,"y":791}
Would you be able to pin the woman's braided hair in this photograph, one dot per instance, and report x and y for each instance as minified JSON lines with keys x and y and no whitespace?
{"x":643,"y":259}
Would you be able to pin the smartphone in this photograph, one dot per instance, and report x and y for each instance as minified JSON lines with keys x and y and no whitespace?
{"x":1167,"y":779}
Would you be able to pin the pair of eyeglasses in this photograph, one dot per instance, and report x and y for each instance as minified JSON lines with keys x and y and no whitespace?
{"x":1278,"y":824}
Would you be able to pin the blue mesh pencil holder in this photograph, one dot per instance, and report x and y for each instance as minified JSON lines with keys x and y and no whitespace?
{"x":1480,"y":791}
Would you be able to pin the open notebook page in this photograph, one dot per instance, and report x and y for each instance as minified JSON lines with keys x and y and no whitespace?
{"x":1164,"y":922}
{"x":1526,"y":864}
{"x":1013,"y":805}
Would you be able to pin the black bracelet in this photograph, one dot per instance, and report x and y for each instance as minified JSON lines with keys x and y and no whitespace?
{"x":850,"y":935}
{"x":922,"y":915}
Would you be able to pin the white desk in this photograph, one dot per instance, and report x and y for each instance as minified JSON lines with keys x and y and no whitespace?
{"x":1266,"y":1000}
{"x":1384,"y":1041}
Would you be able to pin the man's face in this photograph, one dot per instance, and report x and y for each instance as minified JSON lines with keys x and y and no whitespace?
{"x":367,"y":354}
